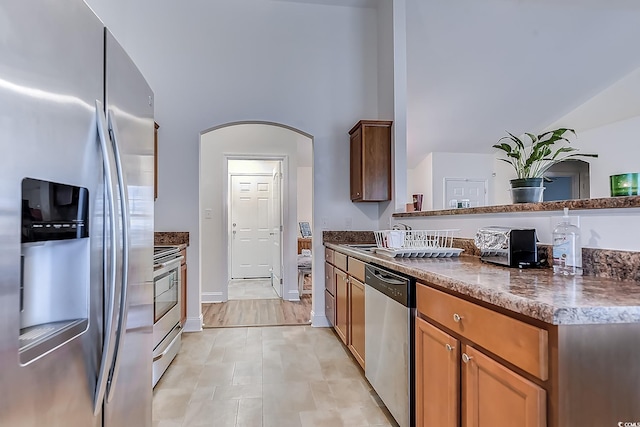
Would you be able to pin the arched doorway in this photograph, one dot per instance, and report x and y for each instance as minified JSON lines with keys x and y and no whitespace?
{"x":247,"y":140}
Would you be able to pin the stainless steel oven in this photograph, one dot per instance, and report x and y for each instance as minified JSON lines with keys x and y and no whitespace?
{"x":167,"y":330}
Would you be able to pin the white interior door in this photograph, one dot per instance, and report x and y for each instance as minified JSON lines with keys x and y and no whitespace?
{"x":463,"y":188}
{"x":250,"y":242}
{"x":276,"y":224}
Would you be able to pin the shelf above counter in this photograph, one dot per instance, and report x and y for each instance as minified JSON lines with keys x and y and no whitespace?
{"x":578,"y":204}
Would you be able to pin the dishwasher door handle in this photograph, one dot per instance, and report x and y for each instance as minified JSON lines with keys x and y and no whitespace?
{"x":388,"y":279}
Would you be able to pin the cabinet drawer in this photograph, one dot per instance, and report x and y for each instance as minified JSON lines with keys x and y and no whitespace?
{"x":330,"y":307}
{"x":524,"y":345}
{"x":328,"y":255}
{"x":356,"y":268}
{"x":340,"y":261}
{"x":329,"y":279}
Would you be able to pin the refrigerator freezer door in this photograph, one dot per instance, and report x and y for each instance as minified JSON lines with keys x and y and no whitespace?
{"x":130,"y":114}
{"x":51,"y":73}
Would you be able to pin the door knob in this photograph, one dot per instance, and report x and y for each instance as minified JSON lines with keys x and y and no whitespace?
{"x":234,"y":224}
{"x":466,"y":358}
{"x":449,"y":347}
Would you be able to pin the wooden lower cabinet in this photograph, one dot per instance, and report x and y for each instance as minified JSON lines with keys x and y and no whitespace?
{"x":330,"y":307}
{"x":342,"y":305}
{"x":437,"y":375}
{"x":356,"y":317}
{"x":494,"y":396}
{"x":489,"y":395}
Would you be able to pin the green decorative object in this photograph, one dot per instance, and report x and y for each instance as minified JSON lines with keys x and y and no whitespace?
{"x":625,"y":184}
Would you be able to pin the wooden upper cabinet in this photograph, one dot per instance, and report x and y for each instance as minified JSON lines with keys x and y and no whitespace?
{"x":371,"y":161}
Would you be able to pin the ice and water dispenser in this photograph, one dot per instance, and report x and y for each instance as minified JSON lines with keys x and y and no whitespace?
{"x":55,"y":266}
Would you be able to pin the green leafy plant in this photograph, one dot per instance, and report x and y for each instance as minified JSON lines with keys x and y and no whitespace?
{"x":532,"y":161}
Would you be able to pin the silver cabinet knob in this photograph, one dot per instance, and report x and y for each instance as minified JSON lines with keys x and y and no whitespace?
{"x":466,"y":358}
{"x":449,"y":347}
{"x":457,"y":318}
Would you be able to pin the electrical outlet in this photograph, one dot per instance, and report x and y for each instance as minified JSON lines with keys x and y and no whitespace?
{"x":348,"y":223}
{"x":325,"y":223}
{"x":208,"y":213}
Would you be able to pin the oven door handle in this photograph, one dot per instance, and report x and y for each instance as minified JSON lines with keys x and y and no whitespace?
{"x":168,"y":266}
{"x":111,"y":289}
{"x":166,"y":350}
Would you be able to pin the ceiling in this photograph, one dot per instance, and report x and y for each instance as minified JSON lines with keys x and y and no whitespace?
{"x":476,"y":69}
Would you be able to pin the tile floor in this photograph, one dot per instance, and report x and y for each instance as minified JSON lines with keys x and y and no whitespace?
{"x":265,"y":377}
{"x":251,"y":289}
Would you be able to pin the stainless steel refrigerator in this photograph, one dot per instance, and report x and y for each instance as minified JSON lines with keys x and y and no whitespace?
{"x":76,"y":221}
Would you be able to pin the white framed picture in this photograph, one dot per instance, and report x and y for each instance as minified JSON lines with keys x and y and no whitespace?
{"x":305,"y":229}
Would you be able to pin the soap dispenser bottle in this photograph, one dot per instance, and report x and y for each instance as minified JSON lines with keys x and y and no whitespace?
{"x":567,"y":250}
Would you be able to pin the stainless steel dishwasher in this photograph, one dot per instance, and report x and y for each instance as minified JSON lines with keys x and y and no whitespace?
{"x":389,"y":322}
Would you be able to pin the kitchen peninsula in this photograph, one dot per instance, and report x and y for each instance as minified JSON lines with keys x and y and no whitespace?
{"x":509,"y":345}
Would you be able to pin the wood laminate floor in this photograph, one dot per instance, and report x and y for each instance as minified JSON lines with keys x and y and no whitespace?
{"x":257,"y":312}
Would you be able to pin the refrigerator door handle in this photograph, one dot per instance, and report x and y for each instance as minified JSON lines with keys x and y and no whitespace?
{"x":110,"y":281}
{"x":124,"y":207}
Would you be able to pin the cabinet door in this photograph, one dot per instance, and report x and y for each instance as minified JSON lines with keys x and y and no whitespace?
{"x":437,"y":378}
{"x":356,"y":165}
{"x":330,"y":307}
{"x":329,"y":279}
{"x":342,"y":306}
{"x":494,"y":396}
{"x":356,"y":319}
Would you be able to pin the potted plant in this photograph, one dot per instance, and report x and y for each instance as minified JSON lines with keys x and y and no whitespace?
{"x":532,"y":160}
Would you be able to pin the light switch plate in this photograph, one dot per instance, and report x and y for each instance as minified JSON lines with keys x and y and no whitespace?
{"x":208,"y":213}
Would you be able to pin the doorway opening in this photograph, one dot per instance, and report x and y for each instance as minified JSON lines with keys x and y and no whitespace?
{"x":255,"y":228}
{"x":569,"y":179}
{"x":226,"y":191}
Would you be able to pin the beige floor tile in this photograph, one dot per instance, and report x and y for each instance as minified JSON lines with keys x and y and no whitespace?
{"x":170,"y":404}
{"x":166,"y":423}
{"x":249,"y":413}
{"x":265,"y":377}
{"x":251,"y":289}
{"x":184,"y":377}
{"x":216,"y":374}
{"x":321,"y":418}
{"x":202,"y":393}
{"x":281,"y":419}
{"x":220,"y":413}
{"x":227,"y":392}
{"x":278,"y":398}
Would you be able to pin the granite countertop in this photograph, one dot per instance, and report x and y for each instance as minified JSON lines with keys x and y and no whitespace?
{"x":535,"y":293}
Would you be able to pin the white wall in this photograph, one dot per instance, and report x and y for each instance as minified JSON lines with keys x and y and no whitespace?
{"x":306,"y":65}
{"x":428,"y":176}
{"x":304,"y":202}
{"x":216,"y":147}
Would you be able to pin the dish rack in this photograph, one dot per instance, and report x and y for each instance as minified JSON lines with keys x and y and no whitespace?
{"x":417,"y":243}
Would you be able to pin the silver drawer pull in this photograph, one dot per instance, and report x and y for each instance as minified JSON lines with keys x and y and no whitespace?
{"x":457,"y":318}
{"x":466,"y":358}
{"x":449,"y":347}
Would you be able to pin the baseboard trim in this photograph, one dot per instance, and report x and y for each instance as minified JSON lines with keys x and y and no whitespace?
{"x":293,"y":295}
{"x":193,"y":324}
{"x":211,"y":297}
{"x":319,"y":321}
